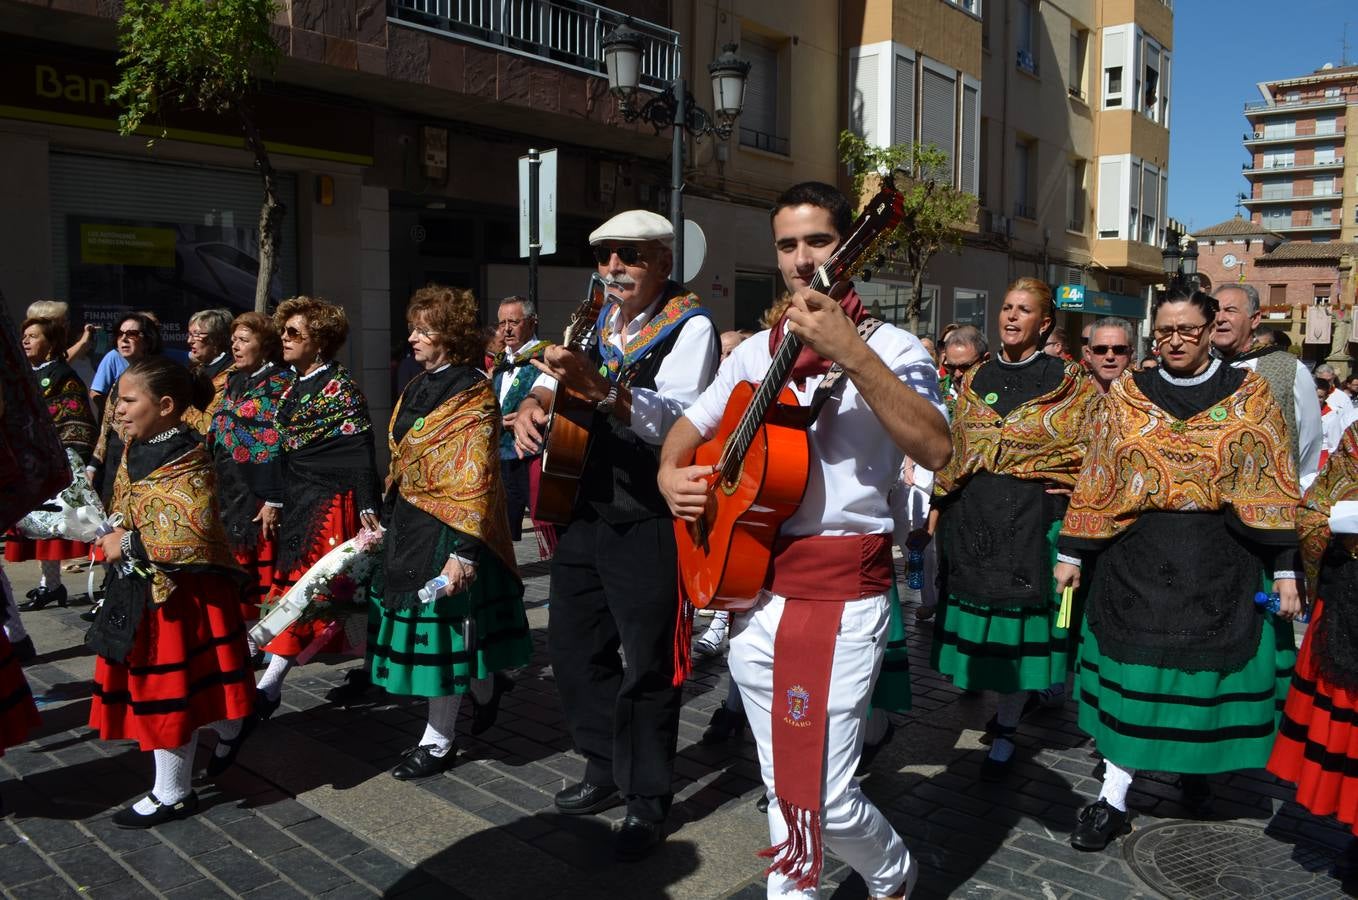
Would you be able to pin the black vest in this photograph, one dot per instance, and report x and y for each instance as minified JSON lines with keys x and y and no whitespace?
{"x":619,"y":481}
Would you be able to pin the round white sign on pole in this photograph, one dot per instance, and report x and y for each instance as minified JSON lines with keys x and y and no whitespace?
{"x":695,"y":250}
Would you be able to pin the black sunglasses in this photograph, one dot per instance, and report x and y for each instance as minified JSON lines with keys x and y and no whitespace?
{"x":629,"y":254}
{"x":1105,"y":349}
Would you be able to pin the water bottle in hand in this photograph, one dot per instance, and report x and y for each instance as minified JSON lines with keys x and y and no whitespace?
{"x":1272,"y":603}
{"x":914,"y":569}
{"x":434,"y":588}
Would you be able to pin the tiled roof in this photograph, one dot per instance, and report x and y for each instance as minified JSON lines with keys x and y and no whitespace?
{"x":1235,"y":227}
{"x":1303,"y":251}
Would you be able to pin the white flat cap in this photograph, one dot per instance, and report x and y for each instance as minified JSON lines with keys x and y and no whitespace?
{"x":635,"y":225}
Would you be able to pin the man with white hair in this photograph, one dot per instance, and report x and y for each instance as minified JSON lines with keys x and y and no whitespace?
{"x":1233,"y":336}
{"x":1109,"y":345}
{"x":614,"y":580}
{"x":513,"y":377}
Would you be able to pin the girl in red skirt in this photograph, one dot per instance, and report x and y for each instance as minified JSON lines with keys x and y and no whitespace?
{"x":329,"y":471}
{"x":170,"y":639}
{"x":1317,"y":743}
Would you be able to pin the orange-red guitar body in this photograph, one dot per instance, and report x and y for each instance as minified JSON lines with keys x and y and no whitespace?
{"x":724,"y":556}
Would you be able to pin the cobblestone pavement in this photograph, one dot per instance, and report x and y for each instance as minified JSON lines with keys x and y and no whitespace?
{"x":311,"y":811}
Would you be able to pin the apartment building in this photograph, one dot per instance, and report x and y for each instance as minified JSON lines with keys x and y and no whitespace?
{"x":1059,"y":111}
{"x":1302,"y":140}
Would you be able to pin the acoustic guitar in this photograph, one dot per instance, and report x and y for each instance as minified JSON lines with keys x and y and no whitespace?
{"x":568,"y":421}
{"x":760,"y":450}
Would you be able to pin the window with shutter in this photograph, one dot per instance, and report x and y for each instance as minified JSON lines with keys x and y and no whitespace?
{"x":1150,"y":203}
{"x":903,"y":100}
{"x":759,"y":120}
{"x":863,"y":98}
{"x":1111,"y":196}
{"x":1277,"y":295}
{"x":938,"y":115}
{"x":971,"y":96}
{"x":1114,"y":59}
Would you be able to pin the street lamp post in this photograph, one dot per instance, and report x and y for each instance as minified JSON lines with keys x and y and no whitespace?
{"x":675,"y":108}
{"x":1180,"y":261}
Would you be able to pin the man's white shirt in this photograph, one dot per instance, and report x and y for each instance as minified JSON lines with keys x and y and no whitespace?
{"x":854,"y":462}
{"x":517,"y":360}
{"x":682,"y":374}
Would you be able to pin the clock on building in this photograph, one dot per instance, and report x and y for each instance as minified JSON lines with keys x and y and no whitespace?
{"x":1228,"y":261}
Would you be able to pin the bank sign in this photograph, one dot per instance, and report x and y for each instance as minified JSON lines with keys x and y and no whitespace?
{"x":1078,"y":298}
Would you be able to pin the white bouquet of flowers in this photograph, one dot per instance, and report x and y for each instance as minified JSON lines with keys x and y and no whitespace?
{"x":330,"y":591}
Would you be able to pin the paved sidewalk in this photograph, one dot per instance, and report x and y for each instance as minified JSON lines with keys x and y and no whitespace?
{"x":310,"y":810}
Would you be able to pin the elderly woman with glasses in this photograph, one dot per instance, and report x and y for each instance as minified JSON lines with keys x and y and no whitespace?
{"x":330,"y":485}
{"x":209,"y":339}
{"x":137,"y":337}
{"x":1186,"y":507}
{"x":246,"y":449}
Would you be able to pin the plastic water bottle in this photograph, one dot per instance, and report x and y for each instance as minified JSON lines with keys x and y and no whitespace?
{"x":433,"y":589}
{"x":1272,"y":602}
{"x":914,"y":569}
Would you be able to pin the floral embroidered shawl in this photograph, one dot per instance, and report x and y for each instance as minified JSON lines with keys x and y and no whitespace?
{"x":312,"y":411}
{"x":244,"y":426}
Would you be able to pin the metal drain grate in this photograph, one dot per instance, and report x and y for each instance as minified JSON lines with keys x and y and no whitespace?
{"x":1227,"y":860}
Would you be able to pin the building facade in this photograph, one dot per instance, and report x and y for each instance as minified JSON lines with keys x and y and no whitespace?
{"x":1302,"y":140}
{"x":1057,"y":115}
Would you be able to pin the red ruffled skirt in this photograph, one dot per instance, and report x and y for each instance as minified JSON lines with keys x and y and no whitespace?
{"x":341,"y":524}
{"x":257,"y":562}
{"x":18,"y":714}
{"x":188,"y":667}
{"x":22,"y":549}
{"x":1317,"y":743}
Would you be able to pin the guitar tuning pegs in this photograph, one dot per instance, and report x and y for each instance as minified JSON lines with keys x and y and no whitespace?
{"x":866,"y":275}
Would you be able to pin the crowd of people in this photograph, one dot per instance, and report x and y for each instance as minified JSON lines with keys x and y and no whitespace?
{"x":1142,"y":536}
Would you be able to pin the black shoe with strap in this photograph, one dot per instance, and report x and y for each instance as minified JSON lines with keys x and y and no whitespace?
{"x":264,"y":707}
{"x":164,"y":812}
{"x":1096,"y":826}
{"x":219,"y":764}
{"x":992,"y":770}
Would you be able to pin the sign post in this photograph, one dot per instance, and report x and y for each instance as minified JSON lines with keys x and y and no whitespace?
{"x":537,"y":212}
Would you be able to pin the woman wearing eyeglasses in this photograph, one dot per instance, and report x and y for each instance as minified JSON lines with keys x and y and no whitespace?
{"x":209,"y":339}
{"x":1185,"y":509}
{"x":1018,"y":442}
{"x":329,"y":470}
{"x":137,"y":337}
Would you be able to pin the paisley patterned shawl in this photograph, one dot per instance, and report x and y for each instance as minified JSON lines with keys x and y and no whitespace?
{"x":1041,"y":440}
{"x":174,"y":512}
{"x":200,"y":420}
{"x":1337,"y":481}
{"x":243,"y":427}
{"x":69,"y":404}
{"x":312,"y":411}
{"x":447,"y":465}
{"x":1142,"y":459}
{"x":677,"y":310}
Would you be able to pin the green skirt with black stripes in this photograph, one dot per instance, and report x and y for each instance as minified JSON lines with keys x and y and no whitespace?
{"x":1168,"y":720}
{"x":981,"y":646}
{"x":892,"y":691}
{"x":420,"y":651}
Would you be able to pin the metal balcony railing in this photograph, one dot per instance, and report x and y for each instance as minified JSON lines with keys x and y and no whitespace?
{"x":564,"y":32}
{"x":1024,"y":211}
{"x":1264,"y":106}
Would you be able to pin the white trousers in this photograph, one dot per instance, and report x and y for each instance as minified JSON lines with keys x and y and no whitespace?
{"x":853,"y":829}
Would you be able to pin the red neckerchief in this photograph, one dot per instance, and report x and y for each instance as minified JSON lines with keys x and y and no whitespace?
{"x":809,"y":362}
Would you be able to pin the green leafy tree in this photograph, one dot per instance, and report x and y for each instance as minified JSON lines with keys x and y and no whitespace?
{"x":935,"y":211}
{"x":205,"y":55}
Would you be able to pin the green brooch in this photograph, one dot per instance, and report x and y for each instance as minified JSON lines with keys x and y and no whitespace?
{"x":991,"y":397}
{"x":1177,"y":426}
{"x":1218,"y":414}
{"x":306,"y":398}
{"x":47,"y":382}
{"x":419,"y":424}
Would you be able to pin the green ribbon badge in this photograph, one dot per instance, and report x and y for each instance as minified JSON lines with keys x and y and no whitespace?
{"x":991,"y":397}
{"x":47,"y":382}
{"x":1218,"y":414}
{"x":419,"y":424}
{"x":306,"y":398}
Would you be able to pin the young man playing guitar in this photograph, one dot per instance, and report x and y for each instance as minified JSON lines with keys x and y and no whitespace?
{"x":812,"y":644}
{"x":613,"y":580}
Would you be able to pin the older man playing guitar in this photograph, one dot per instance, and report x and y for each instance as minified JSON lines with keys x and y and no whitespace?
{"x":812,"y":646}
{"x":613,"y":583}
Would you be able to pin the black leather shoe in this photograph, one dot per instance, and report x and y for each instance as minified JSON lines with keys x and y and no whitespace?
{"x":92,"y":613}
{"x":584,"y":798}
{"x":24,"y":650}
{"x":421,"y":763}
{"x":44,"y":597}
{"x":219,"y":764}
{"x":992,"y":770}
{"x":762,"y":804}
{"x":264,"y":707}
{"x":870,"y":751}
{"x":484,"y":714}
{"x":1097,"y":825}
{"x":723,"y":725}
{"x":636,"y":837}
{"x":164,"y":812}
{"x":357,"y":683}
